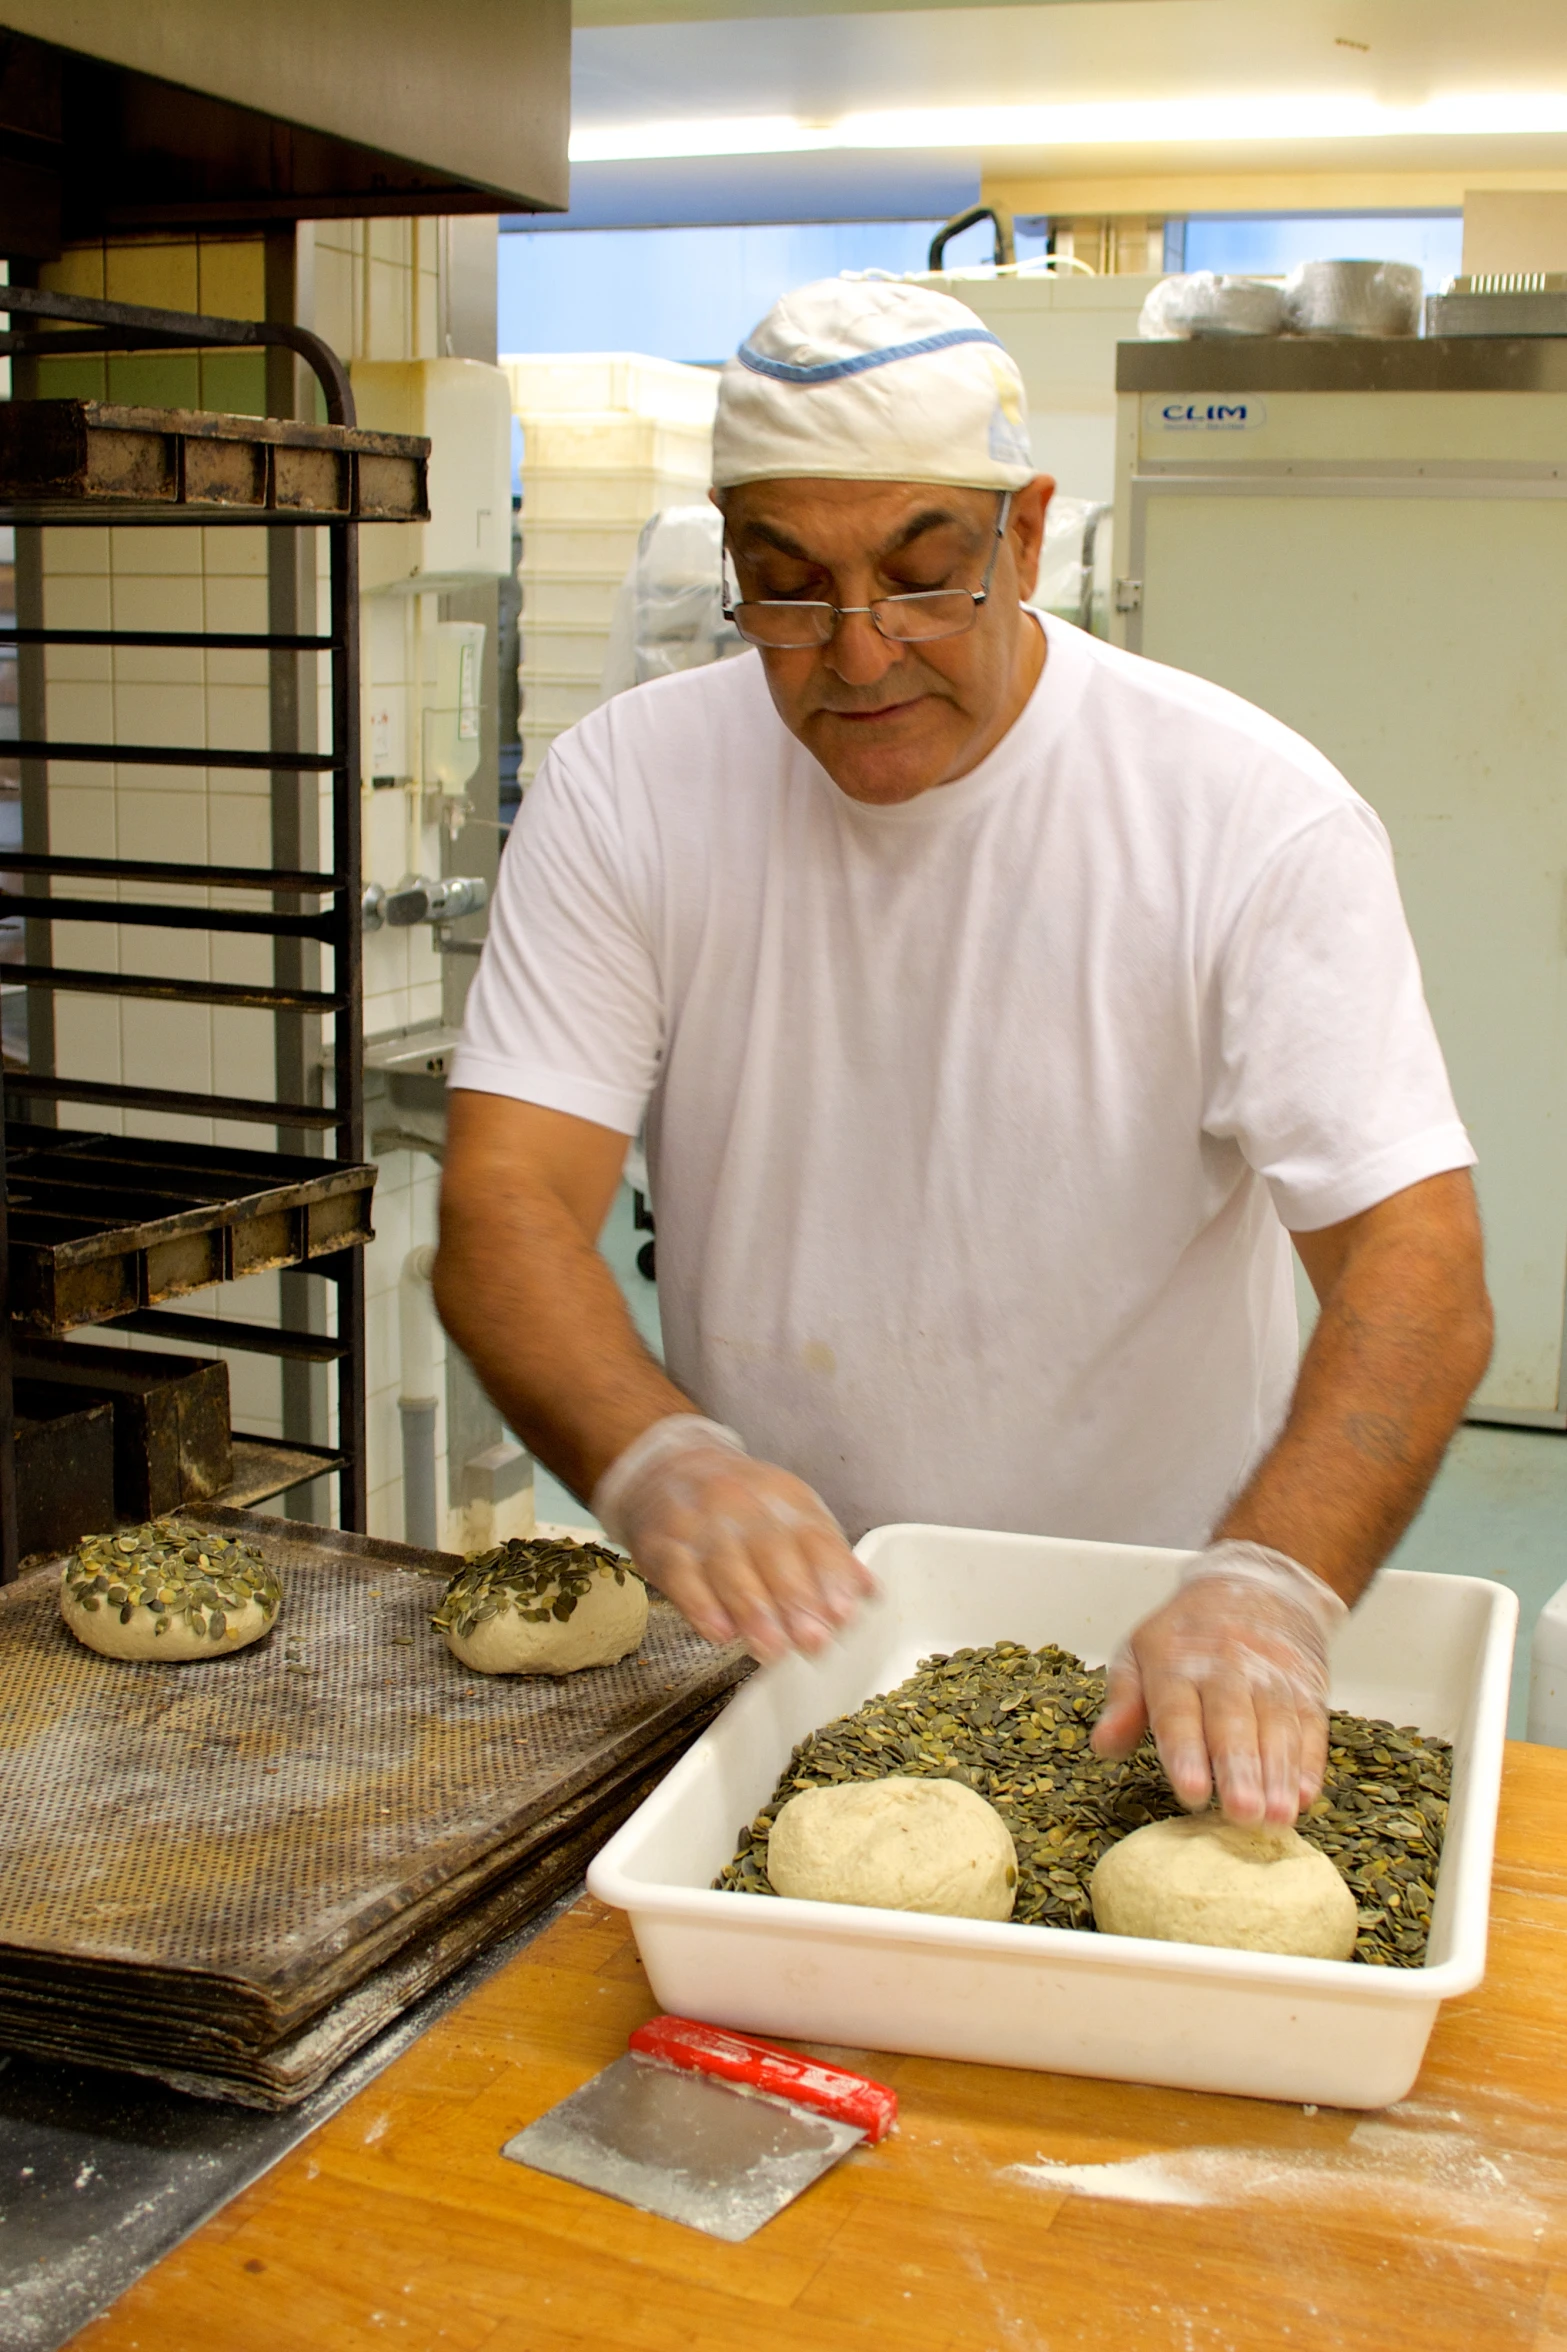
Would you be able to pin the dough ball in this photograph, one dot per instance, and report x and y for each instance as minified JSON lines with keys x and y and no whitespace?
{"x":1204,"y":1880}
{"x":543,"y":1608}
{"x":899,"y":1844}
{"x":169,"y":1592}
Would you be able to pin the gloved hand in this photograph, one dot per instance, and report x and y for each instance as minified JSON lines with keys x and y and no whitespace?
{"x":741,"y":1547}
{"x":1232,"y":1675}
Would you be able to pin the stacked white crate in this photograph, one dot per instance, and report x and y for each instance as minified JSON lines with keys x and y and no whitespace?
{"x":608,"y":439}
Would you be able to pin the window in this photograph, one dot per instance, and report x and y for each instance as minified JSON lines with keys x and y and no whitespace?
{"x":1267,"y":244}
{"x":686,"y":293}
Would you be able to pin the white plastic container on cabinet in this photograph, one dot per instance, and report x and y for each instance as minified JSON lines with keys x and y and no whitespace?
{"x":1433,"y":1651}
{"x":463,"y":406}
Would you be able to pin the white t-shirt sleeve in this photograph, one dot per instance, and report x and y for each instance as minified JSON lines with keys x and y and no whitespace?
{"x":565,"y":1008}
{"x":1327,"y":1072}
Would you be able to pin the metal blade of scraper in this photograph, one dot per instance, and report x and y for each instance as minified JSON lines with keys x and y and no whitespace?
{"x":714,"y":2155}
{"x":707,"y":2127}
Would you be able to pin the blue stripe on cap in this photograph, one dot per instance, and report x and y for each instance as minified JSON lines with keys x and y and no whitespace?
{"x":828,"y":371}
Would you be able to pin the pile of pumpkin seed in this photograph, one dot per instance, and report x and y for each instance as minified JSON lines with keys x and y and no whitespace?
{"x":178,"y":1570}
{"x":1013,"y":1724}
{"x":538,"y":1577}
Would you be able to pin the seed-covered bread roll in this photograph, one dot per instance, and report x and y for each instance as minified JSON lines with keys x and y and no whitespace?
{"x":543,"y":1608}
{"x":168,"y":1591}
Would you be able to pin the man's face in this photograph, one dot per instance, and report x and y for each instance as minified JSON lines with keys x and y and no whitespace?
{"x":889,"y":721}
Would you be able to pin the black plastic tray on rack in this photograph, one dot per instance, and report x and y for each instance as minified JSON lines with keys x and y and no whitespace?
{"x":121,"y":464}
{"x":101,"y":1225}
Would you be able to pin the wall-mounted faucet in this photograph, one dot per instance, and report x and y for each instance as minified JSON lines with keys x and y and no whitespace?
{"x":423,"y":898}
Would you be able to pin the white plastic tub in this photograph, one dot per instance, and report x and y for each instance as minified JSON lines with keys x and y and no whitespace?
{"x":598,"y":550}
{"x":609,"y":437}
{"x":556,"y":699}
{"x":571,"y":600}
{"x":585,"y":494}
{"x":563,"y":649}
{"x":1434,"y":1651}
{"x":560,"y":383}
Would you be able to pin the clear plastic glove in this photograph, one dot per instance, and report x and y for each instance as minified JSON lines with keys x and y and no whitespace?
{"x":1232,"y":1677}
{"x":742,"y":1548}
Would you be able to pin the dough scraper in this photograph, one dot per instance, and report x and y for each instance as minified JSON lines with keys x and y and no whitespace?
{"x":706,"y":2127}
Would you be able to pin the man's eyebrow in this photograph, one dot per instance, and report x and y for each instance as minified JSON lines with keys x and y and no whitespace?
{"x":770,"y":536}
{"x":934,"y":518}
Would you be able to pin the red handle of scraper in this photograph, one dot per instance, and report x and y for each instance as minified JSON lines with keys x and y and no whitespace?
{"x":832,"y":2090}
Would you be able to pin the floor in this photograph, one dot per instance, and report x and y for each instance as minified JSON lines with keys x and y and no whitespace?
{"x":1498,"y":1508}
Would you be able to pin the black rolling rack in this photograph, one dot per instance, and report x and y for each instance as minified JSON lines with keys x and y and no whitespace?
{"x":99,"y":1229}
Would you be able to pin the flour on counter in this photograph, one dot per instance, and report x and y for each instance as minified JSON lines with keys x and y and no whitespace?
{"x":1444,"y":2177}
{"x":1136,"y":2180}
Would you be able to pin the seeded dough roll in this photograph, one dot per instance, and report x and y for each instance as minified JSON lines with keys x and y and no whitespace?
{"x":169,"y":1592}
{"x":899,"y":1844}
{"x":543,"y":1607}
{"x":1203,"y":1880}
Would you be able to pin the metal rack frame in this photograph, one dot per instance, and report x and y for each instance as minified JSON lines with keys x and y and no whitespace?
{"x":93,"y":326}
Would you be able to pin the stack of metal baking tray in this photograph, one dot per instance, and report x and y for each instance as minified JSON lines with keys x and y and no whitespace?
{"x":232,"y":1874}
{"x":101,"y":1225}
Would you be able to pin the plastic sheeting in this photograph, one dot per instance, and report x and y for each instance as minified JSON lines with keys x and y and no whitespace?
{"x":669,"y":614}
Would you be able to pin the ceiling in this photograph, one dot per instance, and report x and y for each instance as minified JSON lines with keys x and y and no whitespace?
{"x":636,"y":12}
{"x":824,"y":64}
{"x":1310,"y":85}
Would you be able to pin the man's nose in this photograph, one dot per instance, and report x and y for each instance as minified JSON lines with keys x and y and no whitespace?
{"x":858,"y":652}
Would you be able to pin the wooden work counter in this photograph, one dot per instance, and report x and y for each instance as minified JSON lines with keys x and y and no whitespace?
{"x":1441,"y":2223}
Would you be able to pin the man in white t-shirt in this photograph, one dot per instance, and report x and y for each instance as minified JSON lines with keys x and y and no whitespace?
{"x":1000,"y":1006}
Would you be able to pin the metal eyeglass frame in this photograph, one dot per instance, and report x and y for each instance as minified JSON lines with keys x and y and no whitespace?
{"x":837,"y":613}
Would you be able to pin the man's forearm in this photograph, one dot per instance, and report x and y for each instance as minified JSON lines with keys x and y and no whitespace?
{"x":1403,"y":1337}
{"x":538,"y":1314}
{"x":742,"y":1547}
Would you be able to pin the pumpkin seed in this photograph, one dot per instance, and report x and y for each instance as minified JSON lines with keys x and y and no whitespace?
{"x":174,"y":1570}
{"x":1013,"y":1724}
{"x":538,"y":1577}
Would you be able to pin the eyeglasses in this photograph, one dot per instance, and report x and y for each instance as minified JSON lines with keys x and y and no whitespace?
{"x":915,"y":619}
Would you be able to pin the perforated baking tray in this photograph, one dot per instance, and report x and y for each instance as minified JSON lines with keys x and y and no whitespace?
{"x":197,"y":1861}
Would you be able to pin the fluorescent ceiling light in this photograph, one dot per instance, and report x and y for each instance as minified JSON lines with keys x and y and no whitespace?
{"x":1129,"y":122}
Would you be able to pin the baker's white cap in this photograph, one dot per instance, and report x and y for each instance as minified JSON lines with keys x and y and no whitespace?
{"x":866,"y":379}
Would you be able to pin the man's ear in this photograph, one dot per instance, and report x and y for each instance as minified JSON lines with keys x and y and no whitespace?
{"x":1026,"y":530}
